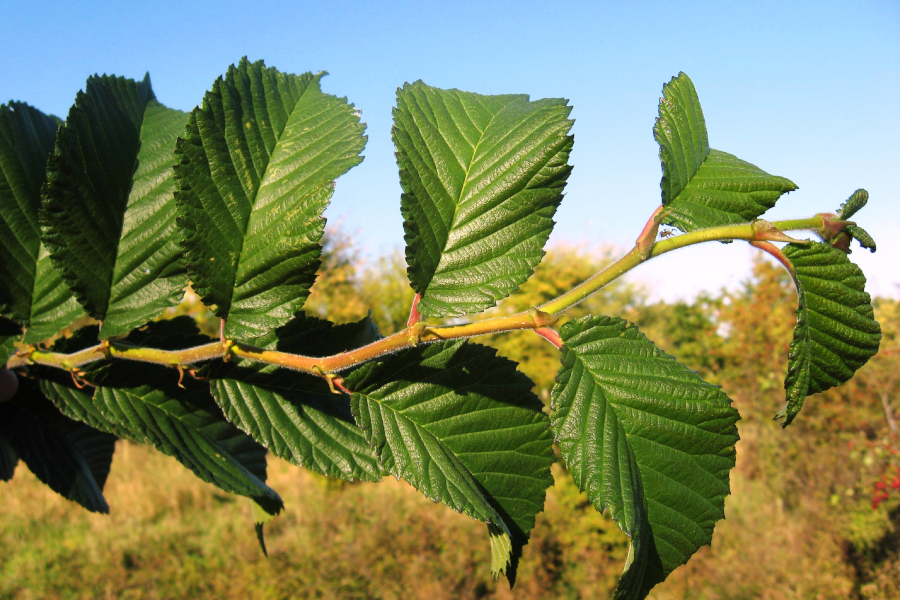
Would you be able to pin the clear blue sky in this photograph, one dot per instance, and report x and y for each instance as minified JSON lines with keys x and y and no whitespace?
{"x":806,"y":90}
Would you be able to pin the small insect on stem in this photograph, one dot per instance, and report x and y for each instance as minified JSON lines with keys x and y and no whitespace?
{"x":667,"y":233}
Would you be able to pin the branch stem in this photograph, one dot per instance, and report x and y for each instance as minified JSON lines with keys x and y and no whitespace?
{"x":419,"y":332}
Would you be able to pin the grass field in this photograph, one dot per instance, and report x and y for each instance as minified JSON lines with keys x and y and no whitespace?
{"x":799,"y":523}
{"x":171,"y":536}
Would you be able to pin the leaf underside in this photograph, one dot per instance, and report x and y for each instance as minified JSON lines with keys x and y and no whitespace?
{"x":482,"y":177}
{"x":461,"y":425}
{"x":72,"y":458}
{"x":33,"y":294}
{"x":836,"y":331}
{"x":863,"y":237}
{"x":255,"y":173}
{"x":109,"y":211}
{"x":646,"y":438}
{"x":702,"y":187}
{"x":295,"y":415}
{"x":8,"y":459}
{"x":144,"y":403}
{"x":7,"y":347}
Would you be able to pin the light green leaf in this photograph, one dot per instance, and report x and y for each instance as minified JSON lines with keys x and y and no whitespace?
{"x":482,"y":177}
{"x":461,"y":425}
{"x":256,"y":171}
{"x":836,"y":331}
{"x":293,"y":414}
{"x":109,"y":210}
{"x":646,"y":438}
{"x":31,"y":291}
{"x":73,"y":459}
{"x":703,"y":187}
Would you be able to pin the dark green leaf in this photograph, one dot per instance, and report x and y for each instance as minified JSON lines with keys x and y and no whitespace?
{"x":862,"y":236}
{"x":9,"y":328}
{"x":646,"y":438}
{"x":72,"y":458}
{"x":703,"y":187}
{"x":836,"y":331}
{"x":482,"y":177}
{"x":109,"y":210}
{"x":853,"y":204}
{"x":78,"y":404}
{"x":7,"y":348}
{"x":255,"y":173}
{"x":8,"y":459}
{"x":32,"y":293}
{"x":461,"y":425}
{"x":74,"y":402}
{"x":295,"y":415}
{"x":144,"y":403}
{"x":58,"y":385}
{"x":185,"y":424}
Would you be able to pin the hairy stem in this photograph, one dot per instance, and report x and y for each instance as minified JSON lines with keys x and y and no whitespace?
{"x":538,"y":319}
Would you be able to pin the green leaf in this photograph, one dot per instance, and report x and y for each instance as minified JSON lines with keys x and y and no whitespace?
{"x":74,"y":402}
{"x":482,"y":177}
{"x":32,"y":293}
{"x":862,"y":236}
{"x":836,"y":331}
{"x":8,"y":459}
{"x":78,"y":404}
{"x":185,"y":424}
{"x":145,"y":404}
{"x":73,"y":459}
{"x":293,"y":414}
{"x":54,"y":306}
{"x":7,"y":348}
{"x":9,"y":328}
{"x":109,"y":208}
{"x":255,"y":173}
{"x":853,"y":204}
{"x":646,"y":438}
{"x":703,"y":187}
{"x":850,"y":207}
{"x":461,"y":425}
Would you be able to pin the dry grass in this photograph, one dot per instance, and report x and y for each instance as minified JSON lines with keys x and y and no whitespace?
{"x":171,"y":536}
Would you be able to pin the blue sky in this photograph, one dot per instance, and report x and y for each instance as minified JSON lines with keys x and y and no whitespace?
{"x":806,"y":90}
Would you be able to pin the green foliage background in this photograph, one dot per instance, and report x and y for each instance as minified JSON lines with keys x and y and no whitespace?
{"x":799,"y":522}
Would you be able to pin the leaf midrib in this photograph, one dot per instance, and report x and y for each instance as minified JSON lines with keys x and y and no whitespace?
{"x":296,"y":451}
{"x":462,"y":189}
{"x":157,"y":410}
{"x":31,"y":222}
{"x":262,"y":177}
{"x":621,"y":427}
{"x":419,"y":427}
